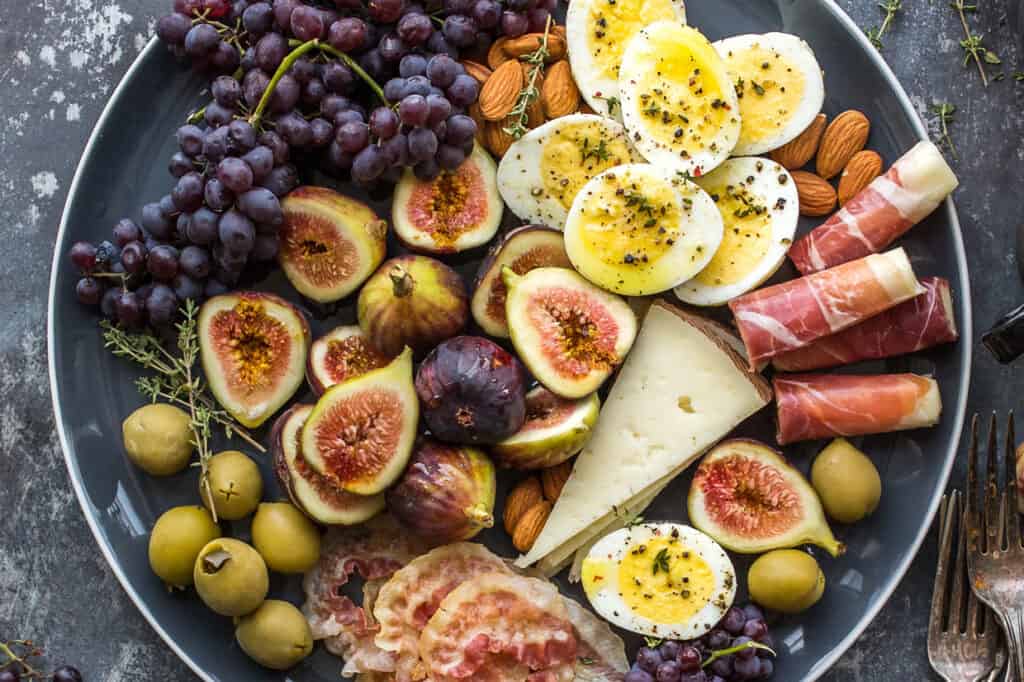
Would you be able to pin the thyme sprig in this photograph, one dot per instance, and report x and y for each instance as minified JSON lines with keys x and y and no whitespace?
{"x":519,"y":116}
{"x":661,"y":561}
{"x":944,"y":112}
{"x":972,"y":44}
{"x":891,"y":9}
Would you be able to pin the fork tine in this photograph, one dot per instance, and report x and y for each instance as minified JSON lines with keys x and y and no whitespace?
{"x":993,"y":528}
{"x":1013,"y":539}
{"x":956,"y":598}
{"x":971,"y":494}
{"x":943,"y":504}
{"x":938,"y":612}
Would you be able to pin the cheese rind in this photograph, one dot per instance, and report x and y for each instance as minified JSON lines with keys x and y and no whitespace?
{"x":682,"y":388}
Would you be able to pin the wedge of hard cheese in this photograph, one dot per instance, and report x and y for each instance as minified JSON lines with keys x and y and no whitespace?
{"x":682,"y":389}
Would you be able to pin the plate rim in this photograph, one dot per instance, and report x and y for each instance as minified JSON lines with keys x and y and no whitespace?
{"x":826,"y":662}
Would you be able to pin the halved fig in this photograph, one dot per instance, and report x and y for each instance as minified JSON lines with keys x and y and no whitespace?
{"x":555,"y":430}
{"x":570,"y":333}
{"x":253,"y":348}
{"x":329,"y":243}
{"x":748,"y":498}
{"x":314,"y":494}
{"x":456,"y":211}
{"x":361,"y":432}
{"x":412,"y":301}
{"x":339,"y":355}
{"x":522,"y":250}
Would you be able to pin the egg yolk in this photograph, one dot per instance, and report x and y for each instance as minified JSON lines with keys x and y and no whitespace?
{"x":614,"y":22}
{"x":745,"y":240}
{"x":575,"y":154}
{"x":769,"y":89}
{"x":680,"y":100}
{"x":630,"y":221}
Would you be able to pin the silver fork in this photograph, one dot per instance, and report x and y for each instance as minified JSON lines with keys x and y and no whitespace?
{"x":995,"y":556}
{"x":962,"y":644}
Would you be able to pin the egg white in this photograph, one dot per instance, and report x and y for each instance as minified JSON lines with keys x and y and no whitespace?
{"x":590,"y":44}
{"x":789,"y":59}
{"x":611,"y":550}
{"x":768,"y":185}
{"x":533,"y":191}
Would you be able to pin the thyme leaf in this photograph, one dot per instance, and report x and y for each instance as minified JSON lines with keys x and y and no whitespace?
{"x":943,"y":112}
{"x":661,"y":561}
{"x":891,"y":9}
{"x":972,"y":45}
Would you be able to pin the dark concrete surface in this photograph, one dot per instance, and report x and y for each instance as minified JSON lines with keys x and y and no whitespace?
{"x":60,"y":59}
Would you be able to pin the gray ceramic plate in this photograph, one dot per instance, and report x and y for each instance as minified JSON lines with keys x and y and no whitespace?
{"x":124,"y":166}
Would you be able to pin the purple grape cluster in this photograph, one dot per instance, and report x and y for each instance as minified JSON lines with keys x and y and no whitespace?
{"x":687,"y":660}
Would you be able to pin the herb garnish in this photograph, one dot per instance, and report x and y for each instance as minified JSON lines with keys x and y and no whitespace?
{"x":653,"y":642}
{"x":613,"y":103}
{"x":635,"y":521}
{"x":972,"y":44}
{"x":661,"y":561}
{"x":943,"y":112}
{"x":642,"y":203}
{"x":891,"y":8}
{"x":520,"y":112}
{"x":598,"y":151}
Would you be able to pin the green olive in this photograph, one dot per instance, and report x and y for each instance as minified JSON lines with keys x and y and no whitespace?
{"x":846,"y":481}
{"x":158,"y":438}
{"x":236,"y":485}
{"x":786,"y":580}
{"x":177,"y":538}
{"x":285,"y":538}
{"x":276,"y":635}
{"x":231,"y":577}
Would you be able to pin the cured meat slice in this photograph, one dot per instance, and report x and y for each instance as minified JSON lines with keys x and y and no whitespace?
{"x":412,"y":595}
{"x":880,"y":213}
{"x":791,"y":315}
{"x":600,"y":654}
{"x":500,"y":627}
{"x":374,"y":551}
{"x":922,"y":322}
{"x":827,"y":405}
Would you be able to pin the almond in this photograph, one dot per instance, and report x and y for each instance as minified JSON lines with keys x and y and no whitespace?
{"x":529,"y":43}
{"x":559,"y":94}
{"x":534,"y":110}
{"x":478,"y":118}
{"x":558,"y":30}
{"x":864,"y":167}
{"x":500,"y":92}
{"x":531,"y":523}
{"x":817,"y":198}
{"x":496,"y":54}
{"x":844,"y":137}
{"x":477,"y":70}
{"x":796,"y":153}
{"x":496,"y":139}
{"x":524,"y":495}
{"x":553,"y":479}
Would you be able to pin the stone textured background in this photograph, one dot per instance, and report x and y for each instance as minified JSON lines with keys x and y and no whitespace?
{"x":60,"y":59}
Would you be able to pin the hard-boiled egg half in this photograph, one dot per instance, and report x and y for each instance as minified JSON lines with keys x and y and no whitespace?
{"x":779,"y":85}
{"x":540,"y":174}
{"x":597,"y":33}
{"x":678,"y":102}
{"x":638,"y":229}
{"x":662,"y":580}
{"x":760,"y":209}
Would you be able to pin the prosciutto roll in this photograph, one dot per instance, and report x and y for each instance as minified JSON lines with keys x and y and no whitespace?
{"x":791,"y":315}
{"x":922,"y":322}
{"x":828,"y":405}
{"x":876,"y":217}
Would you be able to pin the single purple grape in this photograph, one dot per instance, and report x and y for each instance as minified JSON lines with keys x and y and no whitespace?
{"x":733,"y":621}
{"x":88,"y":291}
{"x":648,"y":659}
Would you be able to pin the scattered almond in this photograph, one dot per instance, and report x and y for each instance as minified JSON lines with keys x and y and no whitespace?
{"x":530,"y":42}
{"x":496,"y":54}
{"x":843,"y":138}
{"x":796,"y":153}
{"x":499,"y":94}
{"x":524,"y":495}
{"x":817,"y":198}
{"x":559,"y":94}
{"x":477,"y":70}
{"x":496,"y":139}
{"x":864,"y":167}
{"x":530,"y":525}
{"x":553,"y":479}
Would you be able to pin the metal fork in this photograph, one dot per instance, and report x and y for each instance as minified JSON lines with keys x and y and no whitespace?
{"x":995,"y":556}
{"x":963,"y":645}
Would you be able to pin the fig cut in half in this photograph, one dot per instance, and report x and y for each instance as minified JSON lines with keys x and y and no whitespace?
{"x":329,"y":243}
{"x":253,"y":348}
{"x":521,"y":250}
{"x":361,"y":432}
{"x":314,"y":494}
{"x":339,"y":355}
{"x":748,"y":498}
{"x":555,"y":430}
{"x":456,"y":211}
{"x":570,"y":333}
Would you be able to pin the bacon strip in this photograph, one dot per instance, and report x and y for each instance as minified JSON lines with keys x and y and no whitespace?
{"x":914,"y":325}
{"x":827,"y":405}
{"x":793,"y":314}
{"x":881,"y":213}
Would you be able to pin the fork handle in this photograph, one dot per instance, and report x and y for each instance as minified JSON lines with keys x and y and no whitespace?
{"x":1013,"y":627}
